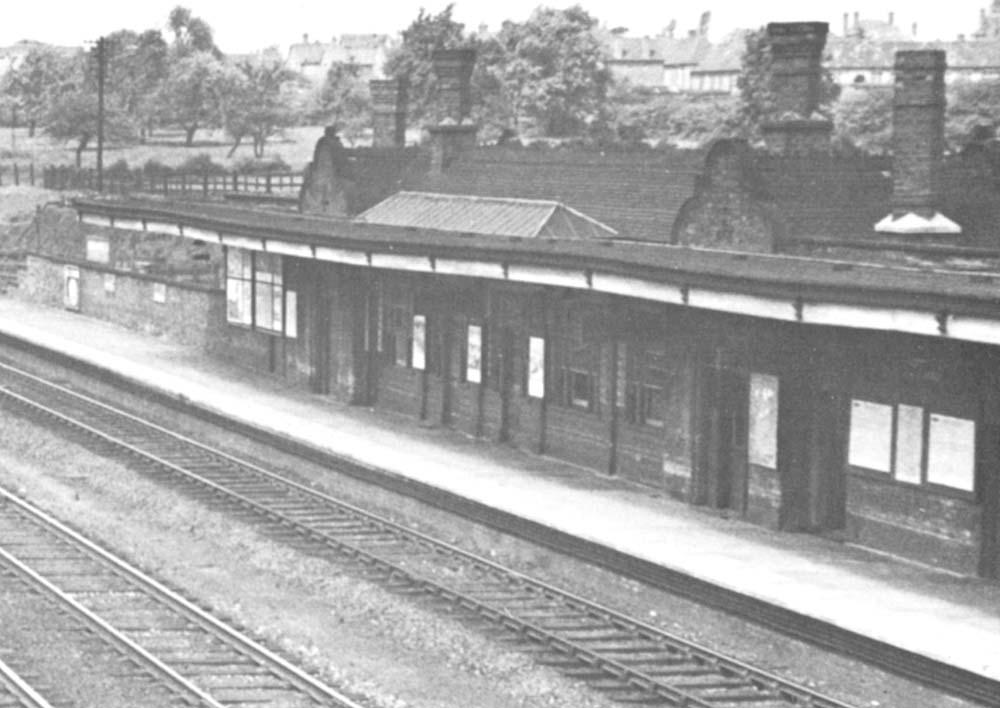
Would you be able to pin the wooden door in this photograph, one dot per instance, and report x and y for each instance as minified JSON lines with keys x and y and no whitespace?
{"x":732,"y":472}
{"x":505,"y":379}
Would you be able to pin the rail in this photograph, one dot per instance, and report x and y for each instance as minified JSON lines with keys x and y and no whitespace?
{"x":628,"y":659}
{"x":149,"y":610}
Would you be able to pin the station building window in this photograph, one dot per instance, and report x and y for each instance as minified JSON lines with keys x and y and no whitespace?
{"x":397,"y":324}
{"x":578,"y":368}
{"x":642,"y":381}
{"x":268,"y":302}
{"x":255,"y":293}
{"x":913,"y":445}
{"x":239,"y":286}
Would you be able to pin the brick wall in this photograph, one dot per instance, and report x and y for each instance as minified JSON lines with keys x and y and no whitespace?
{"x":911,"y":522}
{"x":763,"y":495}
{"x":190,"y":314}
{"x":726,"y":210}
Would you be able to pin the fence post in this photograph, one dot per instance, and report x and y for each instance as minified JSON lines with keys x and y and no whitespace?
{"x":204,"y":182}
{"x":236,"y":182}
{"x":17,"y":176}
{"x":166,"y":189}
{"x":268,"y":182}
{"x":31,"y":173}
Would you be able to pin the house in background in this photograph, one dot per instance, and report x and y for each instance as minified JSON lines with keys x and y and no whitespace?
{"x":862,"y":54}
{"x":367,"y":52}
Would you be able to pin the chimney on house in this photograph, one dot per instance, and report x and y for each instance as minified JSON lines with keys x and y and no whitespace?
{"x":305,"y":39}
{"x":455,"y":131}
{"x":796,"y":75}
{"x":914,"y":29}
{"x":892,"y":18}
{"x":847,"y":25}
{"x":918,"y":146}
{"x":389,"y":105}
{"x":704,"y":22}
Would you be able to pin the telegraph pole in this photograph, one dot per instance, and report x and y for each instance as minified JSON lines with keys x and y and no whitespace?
{"x":101,"y":60}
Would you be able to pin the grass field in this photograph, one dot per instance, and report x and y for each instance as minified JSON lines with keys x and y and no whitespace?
{"x":295,"y":147}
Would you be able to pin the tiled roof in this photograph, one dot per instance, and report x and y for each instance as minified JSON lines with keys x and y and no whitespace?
{"x":306,"y":54}
{"x":684,"y":50}
{"x":486,"y":216}
{"x":725,"y":56}
{"x":637,"y":193}
{"x":842,"y":198}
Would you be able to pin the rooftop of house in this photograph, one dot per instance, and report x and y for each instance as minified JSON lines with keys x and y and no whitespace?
{"x":637,"y":193}
{"x":361,"y":49}
{"x":485,"y":216}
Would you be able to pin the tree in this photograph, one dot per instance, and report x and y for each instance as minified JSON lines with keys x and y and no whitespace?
{"x":411,"y":60}
{"x":971,"y":105}
{"x":193,"y":93}
{"x":551,"y":69}
{"x":191,"y":34}
{"x":72,"y":112}
{"x":137,"y":67}
{"x":862,"y":117}
{"x":252,"y":103}
{"x":31,"y":85}
{"x":755,"y":84}
{"x":344,"y":101}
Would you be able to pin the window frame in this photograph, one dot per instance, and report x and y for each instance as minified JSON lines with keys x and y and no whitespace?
{"x":925,"y":483}
{"x":249,"y":287}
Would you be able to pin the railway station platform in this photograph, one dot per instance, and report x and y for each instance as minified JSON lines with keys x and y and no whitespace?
{"x":931,"y":613}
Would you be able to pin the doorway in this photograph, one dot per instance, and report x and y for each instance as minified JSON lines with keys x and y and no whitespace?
{"x":731,"y":440}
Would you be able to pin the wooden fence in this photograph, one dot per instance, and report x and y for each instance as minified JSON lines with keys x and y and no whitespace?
{"x":279,"y":184}
{"x":15,"y":174}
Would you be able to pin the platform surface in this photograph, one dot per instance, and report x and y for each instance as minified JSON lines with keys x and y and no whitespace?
{"x":927,"y":611}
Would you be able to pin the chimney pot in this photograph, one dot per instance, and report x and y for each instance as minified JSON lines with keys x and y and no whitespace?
{"x":918,"y":145}
{"x":453,"y":133}
{"x":389,"y":106}
{"x":453,"y":70}
{"x":305,"y":39}
{"x":796,"y":73}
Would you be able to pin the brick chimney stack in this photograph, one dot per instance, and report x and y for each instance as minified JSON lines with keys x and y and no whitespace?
{"x":389,"y":106}
{"x":796,"y":75}
{"x":918,"y":145}
{"x":455,"y":131}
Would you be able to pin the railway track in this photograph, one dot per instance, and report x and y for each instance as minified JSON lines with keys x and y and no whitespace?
{"x":15,"y":692}
{"x":626,"y":659}
{"x":176,"y":645}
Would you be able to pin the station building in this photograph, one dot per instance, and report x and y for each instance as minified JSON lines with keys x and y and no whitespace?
{"x":802,"y":339}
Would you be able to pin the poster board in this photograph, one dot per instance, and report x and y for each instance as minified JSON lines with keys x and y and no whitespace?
{"x":763,"y":442}
{"x":871,"y":435}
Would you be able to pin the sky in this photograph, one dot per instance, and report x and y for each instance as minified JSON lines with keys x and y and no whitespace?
{"x":254,"y":24}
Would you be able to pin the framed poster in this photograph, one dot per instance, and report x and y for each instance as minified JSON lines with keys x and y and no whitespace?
{"x":418,"y":358}
{"x":951,"y":452}
{"x":763,"y":442}
{"x":871,"y":436}
{"x":909,"y":443}
{"x":474,"y":354}
{"x":536,"y":367}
